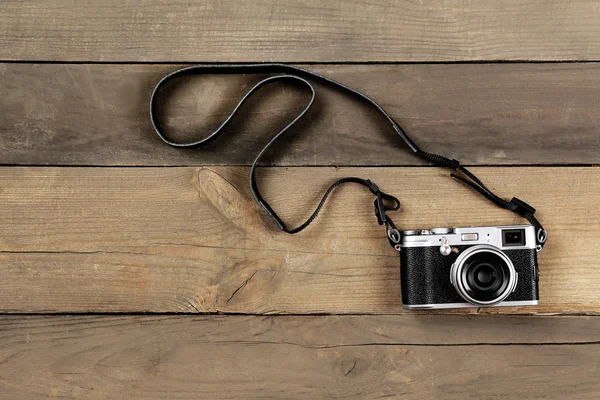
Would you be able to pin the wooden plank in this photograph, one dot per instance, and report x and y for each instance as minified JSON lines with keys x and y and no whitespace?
{"x":477,"y":113}
{"x":192,"y":240}
{"x":299,"y":357}
{"x":296,"y":31}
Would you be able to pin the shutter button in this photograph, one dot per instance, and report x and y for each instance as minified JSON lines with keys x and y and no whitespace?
{"x":445,"y":249}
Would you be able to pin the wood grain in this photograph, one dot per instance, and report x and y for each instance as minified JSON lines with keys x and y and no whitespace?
{"x":477,"y":113}
{"x":299,"y":357}
{"x":192,"y":239}
{"x":299,"y":30}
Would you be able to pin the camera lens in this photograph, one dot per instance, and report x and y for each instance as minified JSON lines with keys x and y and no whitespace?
{"x":486,"y":275}
{"x":483,"y":275}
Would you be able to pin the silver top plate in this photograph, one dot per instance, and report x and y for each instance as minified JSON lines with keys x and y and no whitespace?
{"x":473,"y":235}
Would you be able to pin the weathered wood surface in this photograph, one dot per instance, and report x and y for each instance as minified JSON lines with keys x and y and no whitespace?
{"x":114,"y":240}
{"x":192,"y":239}
{"x":478,"y":113}
{"x":299,"y":357}
{"x":295,"y":31}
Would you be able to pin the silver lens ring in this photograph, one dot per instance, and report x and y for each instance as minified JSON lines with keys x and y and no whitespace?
{"x":461,"y":285}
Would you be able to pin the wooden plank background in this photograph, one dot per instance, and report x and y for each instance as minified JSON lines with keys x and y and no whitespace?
{"x":193,"y":240}
{"x":98,"y":216}
{"x":297,"y":357}
{"x":299,"y":30}
{"x":73,"y":114}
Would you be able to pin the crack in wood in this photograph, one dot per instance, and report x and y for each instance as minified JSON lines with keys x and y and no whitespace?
{"x":195,"y":308}
{"x":401,"y":344}
{"x":71,"y":252}
{"x":291,"y":251}
{"x":351,"y":369}
{"x":241,"y":287}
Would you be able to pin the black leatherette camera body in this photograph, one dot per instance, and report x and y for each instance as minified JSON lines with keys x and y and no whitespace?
{"x":425,"y":276}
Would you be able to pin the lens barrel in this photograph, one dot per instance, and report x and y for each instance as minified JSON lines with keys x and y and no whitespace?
{"x":483,"y":275}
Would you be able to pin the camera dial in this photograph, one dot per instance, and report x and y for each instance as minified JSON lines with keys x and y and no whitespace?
{"x":441,"y":231}
{"x":483,"y":275}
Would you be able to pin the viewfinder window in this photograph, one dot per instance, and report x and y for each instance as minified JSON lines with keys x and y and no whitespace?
{"x":513,"y":237}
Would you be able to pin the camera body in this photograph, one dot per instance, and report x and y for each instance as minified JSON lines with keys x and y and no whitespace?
{"x":469,"y":267}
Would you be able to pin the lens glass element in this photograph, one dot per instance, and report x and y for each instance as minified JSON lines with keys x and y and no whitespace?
{"x":485,"y":276}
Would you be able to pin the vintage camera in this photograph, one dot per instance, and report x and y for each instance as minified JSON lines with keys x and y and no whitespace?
{"x":469,"y":267}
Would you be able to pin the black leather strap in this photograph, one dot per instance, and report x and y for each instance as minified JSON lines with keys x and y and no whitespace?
{"x":298,"y":75}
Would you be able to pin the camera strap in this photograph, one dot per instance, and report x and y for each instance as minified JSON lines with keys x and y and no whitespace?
{"x":383,"y":202}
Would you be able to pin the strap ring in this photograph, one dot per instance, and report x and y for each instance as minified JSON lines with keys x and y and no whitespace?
{"x":394,"y":235}
{"x":542,"y":236}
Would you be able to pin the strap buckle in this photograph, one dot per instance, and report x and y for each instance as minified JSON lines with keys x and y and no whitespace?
{"x":373,"y":187}
{"x":521,"y":207}
{"x":380,"y":210}
{"x":380,"y":207}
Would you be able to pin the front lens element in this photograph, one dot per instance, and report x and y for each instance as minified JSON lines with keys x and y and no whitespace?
{"x":486,"y":276}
